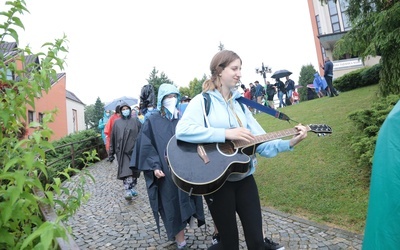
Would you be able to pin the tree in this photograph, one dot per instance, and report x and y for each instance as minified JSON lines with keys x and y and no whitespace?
{"x":93,"y":113}
{"x":89,"y":116}
{"x":375,"y":32}
{"x":98,"y":111}
{"x":156,"y":80}
{"x":306,"y":77}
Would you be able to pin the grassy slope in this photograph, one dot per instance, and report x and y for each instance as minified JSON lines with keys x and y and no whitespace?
{"x":319,"y":179}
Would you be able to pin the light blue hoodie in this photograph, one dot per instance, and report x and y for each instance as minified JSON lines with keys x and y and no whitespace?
{"x":167,"y":89}
{"x":191,"y":128}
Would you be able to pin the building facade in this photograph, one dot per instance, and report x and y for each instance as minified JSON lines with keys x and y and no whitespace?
{"x":330,"y":23}
{"x":75,"y":113}
{"x":69,"y":117}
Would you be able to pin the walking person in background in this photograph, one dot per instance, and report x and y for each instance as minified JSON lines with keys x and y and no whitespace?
{"x":108,"y":128}
{"x":227,"y":120}
{"x":259,"y":93}
{"x":175,"y":207}
{"x":281,"y":91}
{"x":328,"y":75}
{"x":296,"y":97}
{"x":289,"y":87}
{"x":320,"y":85}
{"x":271,"y":91}
{"x":102,"y":124}
{"x":123,"y":137}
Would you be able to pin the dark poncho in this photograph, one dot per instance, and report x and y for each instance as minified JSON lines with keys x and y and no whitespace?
{"x":173,"y":205}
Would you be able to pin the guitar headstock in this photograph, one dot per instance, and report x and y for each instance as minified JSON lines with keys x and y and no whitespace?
{"x":320,"y":129}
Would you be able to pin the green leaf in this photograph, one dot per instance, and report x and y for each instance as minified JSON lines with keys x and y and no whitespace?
{"x":6,"y":237}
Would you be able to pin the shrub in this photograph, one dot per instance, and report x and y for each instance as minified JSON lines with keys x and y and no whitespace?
{"x":368,"y":122}
{"x":358,"y":78}
{"x":22,"y":161}
{"x":60,"y":158}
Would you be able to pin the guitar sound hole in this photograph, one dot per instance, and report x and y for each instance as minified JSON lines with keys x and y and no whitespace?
{"x":226,"y":148}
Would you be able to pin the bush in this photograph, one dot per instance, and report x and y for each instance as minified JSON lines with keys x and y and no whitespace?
{"x":368,"y":122}
{"x":358,"y":78}
{"x":22,"y":161}
{"x":60,"y":158}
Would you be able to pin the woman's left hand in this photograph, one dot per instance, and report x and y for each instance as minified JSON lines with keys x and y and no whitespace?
{"x":300,"y":136}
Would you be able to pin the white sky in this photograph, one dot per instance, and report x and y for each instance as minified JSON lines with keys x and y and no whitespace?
{"x":114,"y":45}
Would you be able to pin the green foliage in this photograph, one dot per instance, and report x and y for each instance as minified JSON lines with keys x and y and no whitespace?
{"x":375,"y":32}
{"x":156,"y":80}
{"x":60,"y":158}
{"x":93,"y":114}
{"x":22,"y":161}
{"x":358,"y":78}
{"x":98,"y":111}
{"x":306,"y":77}
{"x":90,"y":117}
{"x":368,"y":122}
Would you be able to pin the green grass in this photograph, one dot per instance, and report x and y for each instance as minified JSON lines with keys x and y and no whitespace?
{"x":319,"y":180}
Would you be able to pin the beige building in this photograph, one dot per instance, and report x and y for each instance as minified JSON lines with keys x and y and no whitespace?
{"x":329,"y":24}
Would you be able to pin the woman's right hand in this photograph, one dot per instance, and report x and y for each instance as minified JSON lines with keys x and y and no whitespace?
{"x":159,"y":173}
{"x":238,"y":134}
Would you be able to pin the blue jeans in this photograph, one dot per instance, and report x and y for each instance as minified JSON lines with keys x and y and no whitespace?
{"x":281,"y":102}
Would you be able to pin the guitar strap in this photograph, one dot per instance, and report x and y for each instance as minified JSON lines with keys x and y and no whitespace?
{"x":275,"y":113}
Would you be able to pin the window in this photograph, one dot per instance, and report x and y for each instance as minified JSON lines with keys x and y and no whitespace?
{"x":343,"y":7}
{"x":334,"y":16}
{"x":75,"y":120}
{"x":30,"y":116}
{"x":40,"y":118}
{"x":9,"y":74}
{"x":318,"y":24}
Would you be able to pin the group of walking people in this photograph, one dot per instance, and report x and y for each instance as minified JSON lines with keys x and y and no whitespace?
{"x":226,"y":120}
{"x":264,"y":95}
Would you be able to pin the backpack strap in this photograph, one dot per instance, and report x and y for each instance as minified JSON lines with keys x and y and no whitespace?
{"x":207,"y":101}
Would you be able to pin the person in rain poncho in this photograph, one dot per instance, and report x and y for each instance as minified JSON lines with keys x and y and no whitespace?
{"x":320,"y":85}
{"x":123,"y":137}
{"x":382,"y":229}
{"x":175,"y":207}
{"x":102,"y":124}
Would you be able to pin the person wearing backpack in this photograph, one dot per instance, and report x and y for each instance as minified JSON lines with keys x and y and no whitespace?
{"x":226,"y":121}
{"x":271,"y":91}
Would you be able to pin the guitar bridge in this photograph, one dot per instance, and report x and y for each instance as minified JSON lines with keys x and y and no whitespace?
{"x":202,"y":153}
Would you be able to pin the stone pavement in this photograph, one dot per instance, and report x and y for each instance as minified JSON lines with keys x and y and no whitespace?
{"x":108,"y":221}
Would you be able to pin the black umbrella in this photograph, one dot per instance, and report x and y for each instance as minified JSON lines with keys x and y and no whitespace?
{"x":281,"y":73}
{"x":125,"y":99}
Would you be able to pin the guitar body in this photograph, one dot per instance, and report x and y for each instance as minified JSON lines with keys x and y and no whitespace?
{"x":201,"y":169}
{"x":193,"y":175}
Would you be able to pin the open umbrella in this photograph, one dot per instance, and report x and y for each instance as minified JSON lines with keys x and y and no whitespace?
{"x":298,"y":86}
{"x":311,"y":86}
{"x":125,"y":99}
{"x":281,"y":73}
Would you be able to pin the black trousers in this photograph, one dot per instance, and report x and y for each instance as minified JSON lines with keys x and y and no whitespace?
{"x":239,"y":197}
{"x":330,"y":86}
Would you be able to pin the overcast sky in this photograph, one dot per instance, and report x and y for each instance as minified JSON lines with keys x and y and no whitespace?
{"x":114,"y":45}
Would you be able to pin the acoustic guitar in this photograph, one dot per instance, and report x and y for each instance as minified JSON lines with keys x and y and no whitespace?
{"x":201,"y":169}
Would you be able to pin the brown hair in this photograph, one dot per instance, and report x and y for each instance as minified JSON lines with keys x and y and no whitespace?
{"x":217,"y":65}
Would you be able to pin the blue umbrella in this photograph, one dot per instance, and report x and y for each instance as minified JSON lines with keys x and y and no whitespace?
{"x":125,"y":99}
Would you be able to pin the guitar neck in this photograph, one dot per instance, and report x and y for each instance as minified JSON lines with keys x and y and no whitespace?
{"x":266,"y":137}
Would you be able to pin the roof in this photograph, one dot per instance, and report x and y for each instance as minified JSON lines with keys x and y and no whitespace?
{"x":9,"y":50}
{"x":73,"y":97}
